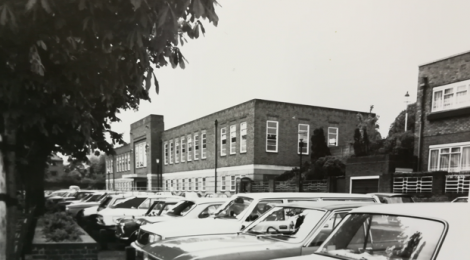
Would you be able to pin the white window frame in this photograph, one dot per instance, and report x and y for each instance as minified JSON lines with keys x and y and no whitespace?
{"x":304,"y":135}
{"x":177,"y":150}
{"x":243,"y":137}
{"x":183,"y":149}
{"x":203,"y":184}
{"x":190,"y":188}
{"x":277,"y":135}
{"x":183,"y":187}
{"x":233,"y":139}
{"x":196,"y":184}
{"x":223,"y":141}
{"x":223,"y":184}
{"x":196,"y":146}
{"x":457,"y":87}
{"x":172,"y":150}
{"x":439,"y":149}
{"x":140,"y":154}
{"x":165,"y":153}
{"x":336,"y":133}
{"x":233,"y":183}
{"x":189,"y":148}
{"x":203,"y":144}
{"x":128,"y":161}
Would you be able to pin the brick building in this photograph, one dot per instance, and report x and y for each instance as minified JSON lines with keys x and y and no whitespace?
{"x":257,"y":139}
{"x":442,"y":137}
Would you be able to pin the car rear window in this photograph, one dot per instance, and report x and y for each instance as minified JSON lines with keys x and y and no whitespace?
{"x":128,"y":203}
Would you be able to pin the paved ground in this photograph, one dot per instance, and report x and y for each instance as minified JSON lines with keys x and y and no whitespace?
{"x":113,"y":252}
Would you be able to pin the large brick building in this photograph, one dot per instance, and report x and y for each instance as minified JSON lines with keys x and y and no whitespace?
{"x":257,"y":139}
{"x":442,"y":139}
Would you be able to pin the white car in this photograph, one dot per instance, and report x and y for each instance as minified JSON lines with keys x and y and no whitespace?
{"x":94,"y":199}
{"x":237,"y":213}
{"x":421,"y":231}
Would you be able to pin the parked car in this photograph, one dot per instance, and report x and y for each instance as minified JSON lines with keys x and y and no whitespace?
{"x":79,"y":196}
{"x":127,"y":228}
{"x":422,"y":231}
{"x":289,"y":229}
{"x":389,"y":198}
{"x":76,"y":208}
{"x":460,"y":199}
{"x":237,"y":213}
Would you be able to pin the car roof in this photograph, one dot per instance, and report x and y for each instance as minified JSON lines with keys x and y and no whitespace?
{"x":325,"y":205}
{"x":389,"y":194}
{"x":206,"y":200}
{"x":433,"y":210}
{"x":266,"y":195}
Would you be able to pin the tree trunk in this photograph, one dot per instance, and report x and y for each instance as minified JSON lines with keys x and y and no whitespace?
{"x":35,"y":181}
{"x":3,"y":210}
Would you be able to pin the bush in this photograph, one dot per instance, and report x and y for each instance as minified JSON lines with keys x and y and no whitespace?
{"x":60,"y":227}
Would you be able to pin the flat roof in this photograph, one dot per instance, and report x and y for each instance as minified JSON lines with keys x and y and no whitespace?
{"x":442,"y":59}
{"x":326,"y":205}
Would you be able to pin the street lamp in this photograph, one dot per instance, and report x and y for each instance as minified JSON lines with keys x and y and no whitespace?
{"x":407,"y":100}
{"x":301,"y":145}
{"x":159,"y":178}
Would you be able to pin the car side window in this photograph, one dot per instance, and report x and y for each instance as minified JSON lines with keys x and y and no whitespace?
{"x":209,"y":210}
{"x":145,"y":205}
{"x":328,"y":226}
{"x":261,"y":208}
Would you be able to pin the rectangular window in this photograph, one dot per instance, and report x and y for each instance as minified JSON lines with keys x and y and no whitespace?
{"x":177,"y":151}
{"x":177,"y":185}
{"x":271,"y":136}
{"x":303,"y":133}
{"x":196,"y":146}
{"x":450,"y":157}
{"x":243,"y":137}
{"x":190,"y":148}
{"x":233,"y":139}
{"x":183,"y":149}
{"x":203,"y":184}
{"x":128,"y":161}
{"x":196,"y":184}
{"x":189,"y":184}
{"x":451,"y":96}
{"x":222,"y":186}
{"x":203,"y":145}
{"x":165,"y":154}
{"x":167,"y":184}
{"x":233,"y":183}
{"x":332,"y":136}
{"x":171,"y":185}
{"x":172,"y":150}
{"x":223,"y":141}
{"x":140,"y":155}
{"x":184,"y":185}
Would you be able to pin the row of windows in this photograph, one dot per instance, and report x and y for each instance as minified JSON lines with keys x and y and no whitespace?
{"x":451,"y":158}
{"x":303,"y":139}
{"x":233,"y":139}
{"x":185,"y":148}
{"x":452,"y":96}
{"x":227,"y":183}
{"x":123,"y":162}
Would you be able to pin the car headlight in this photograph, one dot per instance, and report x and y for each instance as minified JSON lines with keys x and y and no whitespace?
{"x":116,"y":219}
{"x":99,"y":220}
{"x":154,"y":238}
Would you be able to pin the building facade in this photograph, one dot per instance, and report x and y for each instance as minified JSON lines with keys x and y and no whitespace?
{"x":442,"y":139}
{"x":258,"y":140}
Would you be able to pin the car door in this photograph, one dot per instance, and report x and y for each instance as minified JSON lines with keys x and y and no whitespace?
{"x":318,"y":237}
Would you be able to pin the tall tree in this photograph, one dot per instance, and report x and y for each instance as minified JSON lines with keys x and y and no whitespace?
{"x":67,"y":67}
{"x":319,"y":148}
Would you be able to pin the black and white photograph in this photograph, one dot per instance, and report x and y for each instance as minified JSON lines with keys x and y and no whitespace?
{"x":234,"y":129}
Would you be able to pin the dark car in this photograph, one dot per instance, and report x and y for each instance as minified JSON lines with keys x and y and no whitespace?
{"x":127,"y":228}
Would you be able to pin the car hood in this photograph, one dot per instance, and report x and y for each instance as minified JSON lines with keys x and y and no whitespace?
{"x":121,"y":212}
{"x":191,"y":227}
{"x":156,"y":219}
{"x":90,"y":211}
{"x":221,"y":246}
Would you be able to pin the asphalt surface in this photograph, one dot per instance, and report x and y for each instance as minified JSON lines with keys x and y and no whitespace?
{"x":115,"y":251}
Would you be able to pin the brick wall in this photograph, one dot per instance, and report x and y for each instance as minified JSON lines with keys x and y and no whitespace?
{"x":373,"y":165}
{"x":446,"y":129}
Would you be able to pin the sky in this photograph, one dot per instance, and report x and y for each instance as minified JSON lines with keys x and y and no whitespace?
{"x":340,"y":54}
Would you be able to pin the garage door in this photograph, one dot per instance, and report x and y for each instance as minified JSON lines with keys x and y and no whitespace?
{"x":365,"y":186}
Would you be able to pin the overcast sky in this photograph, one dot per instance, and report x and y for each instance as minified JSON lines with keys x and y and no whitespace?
{"x":340,"y":54}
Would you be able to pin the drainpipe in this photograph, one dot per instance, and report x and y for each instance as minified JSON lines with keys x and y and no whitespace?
{"x":423,"y":86}
{"x":216,"y":155}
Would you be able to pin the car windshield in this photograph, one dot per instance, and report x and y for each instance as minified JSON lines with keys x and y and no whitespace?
{"x":396,"y":199}
{"x":383,"y":237}
{"x":95,"y":197}
{"x":181,"y":208}
{"x":234,"y":207}
{"x":290,"y":224}
{"x":128,"y":203}
{"x":159,"y":208}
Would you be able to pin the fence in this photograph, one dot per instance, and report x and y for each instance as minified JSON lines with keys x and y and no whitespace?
{"x":285,"y":186}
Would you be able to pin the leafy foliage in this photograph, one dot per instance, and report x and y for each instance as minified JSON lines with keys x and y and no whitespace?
{"x":68,"y":67}
{"x":60,"y":227}
{"x":367,"y":138}
{"x":398,"y":126}
{"x":318,"y":145}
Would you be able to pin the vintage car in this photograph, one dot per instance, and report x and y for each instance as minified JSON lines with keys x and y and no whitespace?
{"x":95,"y":199}
{"x":389,"y":198}
{"x":460,"y":199}
{"x":237,"y":213}
{"x":421,"y":231}
{"x":184,"y":209}
{"x":289,"y":229}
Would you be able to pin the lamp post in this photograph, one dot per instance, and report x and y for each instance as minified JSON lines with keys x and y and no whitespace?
{"x":108,"y":180}
{"x":407,"y":100}
{"x":159,"y":180}
{"x":215,"y":155}
{"x":301,"y":145}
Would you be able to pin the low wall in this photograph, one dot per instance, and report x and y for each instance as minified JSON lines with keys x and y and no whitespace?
{"x":87,"y":249}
